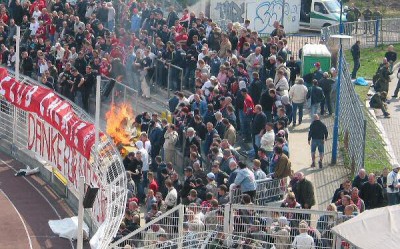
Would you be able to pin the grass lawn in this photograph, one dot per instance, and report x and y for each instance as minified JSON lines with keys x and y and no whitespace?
{"x":370,"y":60}
{"x":376,"y":158}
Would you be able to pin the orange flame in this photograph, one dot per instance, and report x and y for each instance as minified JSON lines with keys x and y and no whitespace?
{"x":117,"y":118}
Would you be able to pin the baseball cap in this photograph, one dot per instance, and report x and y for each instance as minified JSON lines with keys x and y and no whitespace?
{"x":213,"y":78}
{"x":317,"y":64}
{"x":211,"y":175}
{"x":272,"y":57}
{"x":395,"y":166}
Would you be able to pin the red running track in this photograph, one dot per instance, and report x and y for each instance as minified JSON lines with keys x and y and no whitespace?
{"x":26,"y":206}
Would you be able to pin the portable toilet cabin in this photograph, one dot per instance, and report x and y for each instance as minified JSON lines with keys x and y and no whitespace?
{"x":313,"y":53}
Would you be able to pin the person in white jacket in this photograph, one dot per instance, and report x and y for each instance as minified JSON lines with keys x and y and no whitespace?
{"x":171,"y":137}
{"x":281,"y":84}
{"x":268,"y":139}
{"x":297,"y":95}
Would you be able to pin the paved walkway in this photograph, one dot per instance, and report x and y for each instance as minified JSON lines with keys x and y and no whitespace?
{"x":325,"y":180}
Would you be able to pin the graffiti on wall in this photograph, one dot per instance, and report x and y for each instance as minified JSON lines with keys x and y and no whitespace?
{"x":230,"y":11}
{"x":267,"y":12}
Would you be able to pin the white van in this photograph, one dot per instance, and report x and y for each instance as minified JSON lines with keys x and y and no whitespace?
{"x":316,"y":14}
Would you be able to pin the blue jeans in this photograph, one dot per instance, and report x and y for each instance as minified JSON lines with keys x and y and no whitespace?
{"x":393,"y":198}
{"x":245,"y":125}
{"x":317,"y":144}
{"x":296,"y":106}
{"x":314,"y":110}
{"x":110,"y":25}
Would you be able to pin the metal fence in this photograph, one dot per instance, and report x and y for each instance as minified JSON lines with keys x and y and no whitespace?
{"x":369,"y":33}
{"x":280,"y":226}
{"x":230,"y":226}
{"x":104,"y":162}
{"x":353,"y":117}
{"x":174,"y":223}
{"x":268,"y":190}
{"x":168,"y":76}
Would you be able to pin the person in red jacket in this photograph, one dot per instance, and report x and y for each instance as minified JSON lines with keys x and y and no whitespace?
{"x":248,"y":111}
{"x":153,"y":185}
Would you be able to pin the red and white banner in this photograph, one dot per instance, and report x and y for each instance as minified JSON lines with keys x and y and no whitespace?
{"x":47,"y":105}
{"x":56,"y":134}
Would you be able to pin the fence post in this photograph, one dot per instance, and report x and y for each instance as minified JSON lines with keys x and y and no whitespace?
{"x":227,"y":212}
{"x":168,"y":80}
{"x":182,"y":77}
{"x":376,"y":32}
{"x":14,"y":132}
{"x":231,"y":219}
{"x":180,"y":220}
{"x":364,"y":141}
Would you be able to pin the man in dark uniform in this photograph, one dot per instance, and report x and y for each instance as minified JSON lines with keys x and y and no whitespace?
{"x":377,"y":16}
{"x":367,"y":13}
{"x":90,"y":80}
{"x":355,"y":52}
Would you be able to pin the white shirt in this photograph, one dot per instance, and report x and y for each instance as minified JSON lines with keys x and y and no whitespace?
{"x":298,"y":93}
{"x":36,"y":15}
{"x":303,"y":241}
{"x":267,"y":140}
{"x":171,"y":198}
{"x":205,"y":87}
{"x":33,"y":27}
{"x":393,"y":178}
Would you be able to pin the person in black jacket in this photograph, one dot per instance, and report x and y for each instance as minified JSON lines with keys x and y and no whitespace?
{"x":317,"y":134}
{"x":355,"y":53}
{"x":317,"y":97}
{"x":372,"y":193}
{"x":326,"y":84}
{"x":178,"y":60}
{"x":27,"y":64}
{"x":255,"y":88}
{"x":188,"y":184}
{"x":258,"y":124}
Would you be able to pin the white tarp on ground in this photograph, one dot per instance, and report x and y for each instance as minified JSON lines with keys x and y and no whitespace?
{"x":377,"y":228}
{"x":68,"y":228}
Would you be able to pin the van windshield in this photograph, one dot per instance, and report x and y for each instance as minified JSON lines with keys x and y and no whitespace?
{"x":332,"y":6}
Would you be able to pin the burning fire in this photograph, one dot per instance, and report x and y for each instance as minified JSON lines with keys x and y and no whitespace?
{"x":117,"y":120}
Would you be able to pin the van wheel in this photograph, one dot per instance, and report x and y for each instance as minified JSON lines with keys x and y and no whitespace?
{"x":326,"y":25}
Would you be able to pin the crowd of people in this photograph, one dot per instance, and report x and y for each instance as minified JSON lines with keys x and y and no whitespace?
{"x":245,"y":90}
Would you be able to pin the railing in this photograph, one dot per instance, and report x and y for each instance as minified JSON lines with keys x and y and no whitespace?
{"x":232,"y":225}
{"x":268,"y":190}
{"x":369,"y":33}
{"x":104,"y":165}
{"x":279,"y":226}
{"x":297,"y":41}
{"x":168,"y":76}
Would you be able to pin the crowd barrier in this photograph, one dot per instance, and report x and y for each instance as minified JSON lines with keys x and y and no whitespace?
{"x":31,"y":133}
{"x":268,"y":190}
{"x":168,"y":76}
{"x":232,"y":225}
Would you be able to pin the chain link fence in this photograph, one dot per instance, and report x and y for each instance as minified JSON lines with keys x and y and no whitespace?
{"x":355,"y":122}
